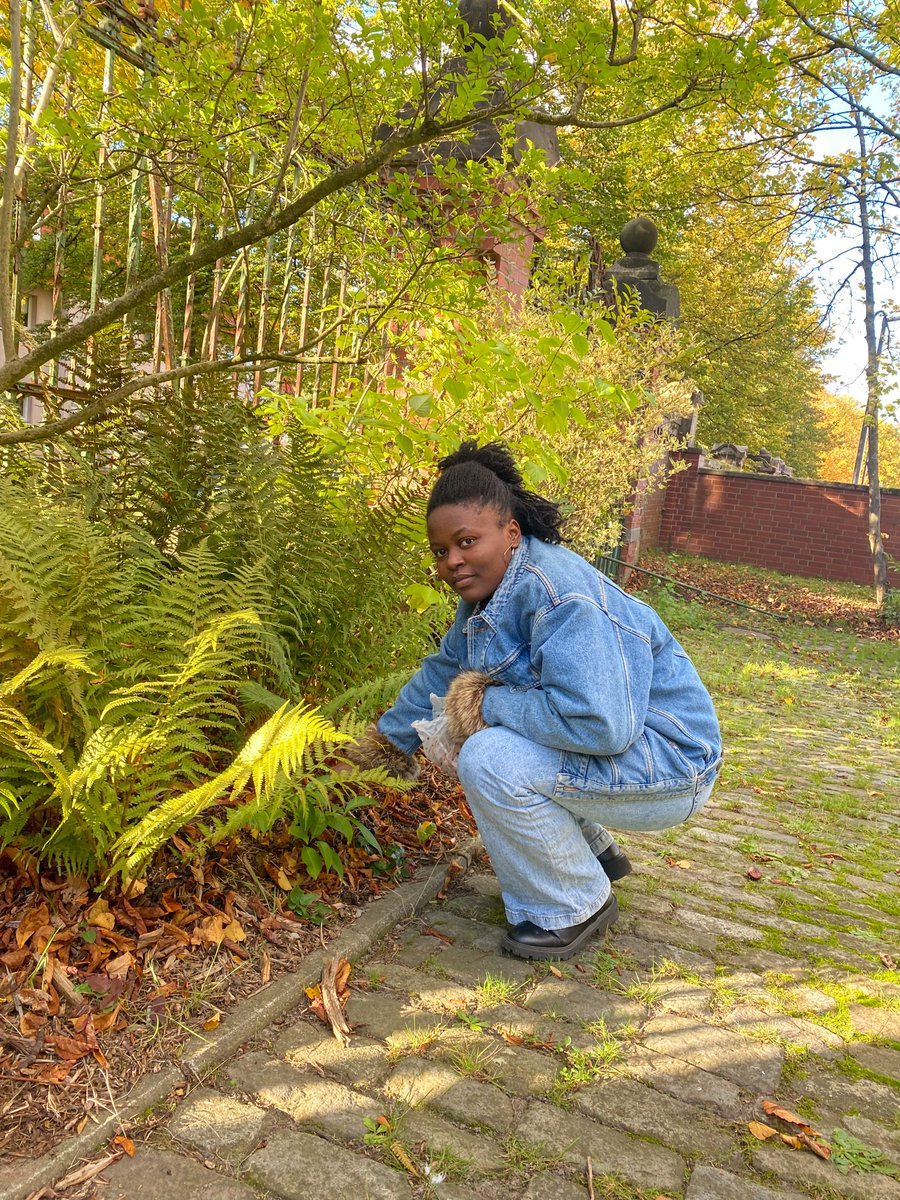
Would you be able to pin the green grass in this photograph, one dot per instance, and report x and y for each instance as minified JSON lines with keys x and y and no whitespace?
{"x":496,"y":989}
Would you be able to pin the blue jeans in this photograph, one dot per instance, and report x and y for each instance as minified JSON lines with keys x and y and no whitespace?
{"x":540,"y":823}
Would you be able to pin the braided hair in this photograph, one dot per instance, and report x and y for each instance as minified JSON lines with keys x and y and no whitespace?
{"x":488,"y":475}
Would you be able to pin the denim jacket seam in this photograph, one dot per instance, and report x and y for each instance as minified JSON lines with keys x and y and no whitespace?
{"x":679,"y":724}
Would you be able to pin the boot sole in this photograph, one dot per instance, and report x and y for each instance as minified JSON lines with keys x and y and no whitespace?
{"x":608,"y":915}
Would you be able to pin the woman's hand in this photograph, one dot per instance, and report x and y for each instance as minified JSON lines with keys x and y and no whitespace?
{"x":373,"y":750}
{"x":463,"y":704}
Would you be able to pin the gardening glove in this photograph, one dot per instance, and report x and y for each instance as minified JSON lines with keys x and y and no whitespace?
{"x":463,"y":704}
{"x":372,"y":750}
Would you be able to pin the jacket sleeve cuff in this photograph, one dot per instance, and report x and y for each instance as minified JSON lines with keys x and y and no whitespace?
{"x":502,"y":706}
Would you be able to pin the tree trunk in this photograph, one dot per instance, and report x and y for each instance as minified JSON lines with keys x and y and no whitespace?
{"x":876,"y":543}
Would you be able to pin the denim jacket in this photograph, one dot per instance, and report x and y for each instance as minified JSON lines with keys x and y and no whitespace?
{"x":580,"y":666}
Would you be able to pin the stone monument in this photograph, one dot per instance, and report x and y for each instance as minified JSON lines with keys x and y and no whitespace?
{"x":637,"y":271}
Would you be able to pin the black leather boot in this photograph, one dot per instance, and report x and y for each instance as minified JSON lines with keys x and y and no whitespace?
{"x":614,"y":862}
{"x":527,"y":940}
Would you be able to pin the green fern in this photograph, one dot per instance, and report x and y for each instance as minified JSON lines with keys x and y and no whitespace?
{"x":273,"y":751}
{"x":143,"y":639}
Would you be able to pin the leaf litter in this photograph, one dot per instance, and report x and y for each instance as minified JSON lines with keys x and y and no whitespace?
{"x":97,"y":990}
{"x":802,"y":1136}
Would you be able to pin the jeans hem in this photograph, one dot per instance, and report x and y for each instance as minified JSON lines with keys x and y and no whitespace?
{"x":545,"y":920}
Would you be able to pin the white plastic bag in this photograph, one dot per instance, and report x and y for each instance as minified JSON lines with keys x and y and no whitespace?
{"x":437,"y":744}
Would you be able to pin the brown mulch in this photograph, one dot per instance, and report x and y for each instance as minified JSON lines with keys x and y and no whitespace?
{"x":814,"y":601}
{"x":97,"y":988}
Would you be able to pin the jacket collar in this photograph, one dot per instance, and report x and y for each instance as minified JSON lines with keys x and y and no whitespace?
{"x":519,"y":559}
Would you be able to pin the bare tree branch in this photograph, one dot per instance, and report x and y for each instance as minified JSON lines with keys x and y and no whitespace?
{"x":571,"y":117}
{"x":839,"y":43}
{"x":99,"y":407}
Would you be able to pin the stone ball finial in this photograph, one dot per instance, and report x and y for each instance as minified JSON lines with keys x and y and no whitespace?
{"x":639,"y":236}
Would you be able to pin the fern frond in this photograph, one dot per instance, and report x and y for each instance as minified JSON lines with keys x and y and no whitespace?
{"x":274,"y":750}
{"x":75,"y":660}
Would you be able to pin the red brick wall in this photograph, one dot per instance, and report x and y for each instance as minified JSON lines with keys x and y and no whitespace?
{"x":800,"y":527}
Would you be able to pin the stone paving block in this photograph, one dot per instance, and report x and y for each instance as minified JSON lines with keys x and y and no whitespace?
{"x":678,"y":996}
{"x":629,"y":1105}
{"x":875,"y":1022}
{"x":671,"y":933}
{"x":685,"y":1082}
{"x":488,"y":909}
{"x":751,"y":1064}
{"x":718,"y":926}
{"x":462,"y":930}
{"x":301,"y":1166}
{"x":711,"y":1183}
{"x":840,"y":1095}
{"x":439,"y":995}
{"x":474,"y":964}
{"x":648,"y":954}
{"x":219,"y":1126}
{"x":483,"y":883}
{"x":637,"y":903}
{"x":481,"y":1152}
{"x":417,"y":950}
{"x":385,"y":1015}
{"x":153,"y":1174}
{"x":808,"y":1171}
{"x":364,"y":1063}
{"x":548,"y":1186}
{"x":612,"y":1152}
{"x":417,"y":1081}
{"x":308,"y":1099}
{"x":580,"y":1003}
{"x":532,"y":1026}
{"x":812,"y":1000}
{"x":886,"y":1140}
{"x":821,"y":1041}
{"x":522,"y":1071}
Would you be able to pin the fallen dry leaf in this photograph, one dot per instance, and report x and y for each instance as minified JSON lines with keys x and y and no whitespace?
{"x":760,"y":1131}
{"x":888,"y":961}
{"x":125,"y":1142}
{"x":33,"y":920}
{"x":820,"y":1149}
{"x":683,"y":864}
{"x":333,"y":999}
{"x":436,"y":933}
{"x":99,"y":915}
{"x":791,"y":1139}
{"x":555,"y":971}
{"x":754,"y":873}
{"x":213,"y":1021}
{"x":784,"y":1114}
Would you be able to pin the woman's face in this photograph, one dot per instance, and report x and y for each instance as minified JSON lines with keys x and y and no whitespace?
{"x":472,"y":544}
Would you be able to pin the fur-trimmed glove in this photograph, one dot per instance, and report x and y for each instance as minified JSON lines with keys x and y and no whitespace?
{"x":463,"y":704}
{"x":372,"y":750}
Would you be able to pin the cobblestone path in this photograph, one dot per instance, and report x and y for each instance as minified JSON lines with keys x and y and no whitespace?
{"x":635,"y":1070}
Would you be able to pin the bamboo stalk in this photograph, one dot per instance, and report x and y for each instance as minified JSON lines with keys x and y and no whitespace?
{"x":263,"y":310}
{"x":7,"y":210}
{"x":284,"y":311}
{"x":326,"y":288}
{"x":342,"y":294}
{"x":304,"y":308}
{"x":240,"y":320}
{"x":187,"y":328}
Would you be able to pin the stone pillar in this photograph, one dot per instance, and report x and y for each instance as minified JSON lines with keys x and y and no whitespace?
{"x":637,"y":272}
